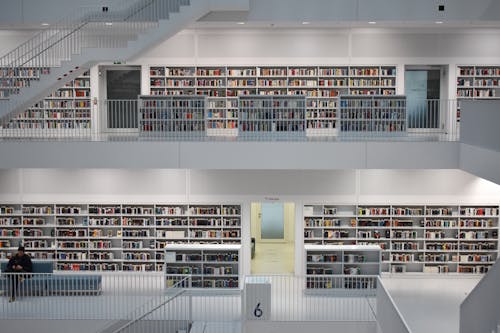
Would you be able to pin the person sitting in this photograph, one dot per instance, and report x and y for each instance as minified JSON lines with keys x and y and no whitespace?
{"x":17,"y":267}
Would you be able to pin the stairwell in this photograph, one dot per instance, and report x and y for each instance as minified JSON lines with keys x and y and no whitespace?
{"x":63,"y":52}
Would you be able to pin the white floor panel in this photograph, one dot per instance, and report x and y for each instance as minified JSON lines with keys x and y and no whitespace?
{"x":430,"y":304}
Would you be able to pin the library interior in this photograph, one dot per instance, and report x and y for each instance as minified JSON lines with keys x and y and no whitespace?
{"x":250,"y":166}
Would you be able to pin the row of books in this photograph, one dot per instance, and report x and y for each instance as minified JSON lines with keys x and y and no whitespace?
{"x":272,"y":71}
{"x":464,"y":211}
{"x":24,"y":72}
{"x":479,"y":71}
{"x":235,"y":90}
{"x":480,"y":93}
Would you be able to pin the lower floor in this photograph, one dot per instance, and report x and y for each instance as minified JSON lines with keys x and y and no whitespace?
{"x":436,"y":299}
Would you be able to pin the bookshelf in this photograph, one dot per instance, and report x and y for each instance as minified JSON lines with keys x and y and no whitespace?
{"x":341,"y":267}
{"x":477,"y":82}
{"x":13,"y":78}
{"x":172,"y":115}
{"x":67,"y":111}
{"x":373,"y":114}
{"x":273,"y":115}
{"x":222,"y":116}
{"x":413,"y":238}
{"x":202,"y":266}
{"x":113,"y":237}
{"x":321,"y":85}
{"x":322,"y":116}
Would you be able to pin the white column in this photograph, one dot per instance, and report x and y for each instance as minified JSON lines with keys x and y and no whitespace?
{"x":400,"y":79}
{"x":145,"y":83}
{"x":94,"y":100}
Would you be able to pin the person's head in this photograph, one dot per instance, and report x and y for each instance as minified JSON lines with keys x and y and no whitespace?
{"x":20,"y":250}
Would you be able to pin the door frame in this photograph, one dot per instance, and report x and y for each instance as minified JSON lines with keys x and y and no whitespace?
{"x":103,"y":94}
{"x":442,"y":94}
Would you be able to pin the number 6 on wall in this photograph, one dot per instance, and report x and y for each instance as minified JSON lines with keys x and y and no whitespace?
{"x":257,"y":312}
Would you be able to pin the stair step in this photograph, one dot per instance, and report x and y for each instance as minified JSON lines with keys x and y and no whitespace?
{"x":99,"y":43}
{"x":215,"y":327}
{"x":114,"y":326}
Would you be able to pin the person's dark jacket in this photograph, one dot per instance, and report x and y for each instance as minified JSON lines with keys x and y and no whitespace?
{"x":24,"y":261}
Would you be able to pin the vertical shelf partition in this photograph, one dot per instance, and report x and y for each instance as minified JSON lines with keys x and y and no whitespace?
{"x":412,"y":238}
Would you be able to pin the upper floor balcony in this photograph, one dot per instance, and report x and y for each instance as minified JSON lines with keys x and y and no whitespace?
{"x":246,"y":132}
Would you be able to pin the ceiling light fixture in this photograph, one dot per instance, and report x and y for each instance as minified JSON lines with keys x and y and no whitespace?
{"x":439,"y":22}
{"x":109,"y":23}
{"x":372,"y":22}
{"x":306,"y":23}
{"x":44,"y":24}
{"x":240,"y":23}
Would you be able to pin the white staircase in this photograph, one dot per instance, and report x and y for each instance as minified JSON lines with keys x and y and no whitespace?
{"x":63,"y":51}
{"x":480,"y":311}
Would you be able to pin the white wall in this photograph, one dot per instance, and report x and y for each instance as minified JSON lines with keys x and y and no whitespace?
{"x":246,"y":186}
{"x":478,"y":124}
{"x":327,"y":46}
{"x":10,"y":39}
{"x":167,"y":185}
{"x":341,"y":46}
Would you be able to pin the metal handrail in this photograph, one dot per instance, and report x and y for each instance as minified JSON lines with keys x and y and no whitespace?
{"x":132,"y":322}
{"x":147,"y":304}
{"x":45,"y":49}
{"x":90,"y":29}
{"x":89,"y":15}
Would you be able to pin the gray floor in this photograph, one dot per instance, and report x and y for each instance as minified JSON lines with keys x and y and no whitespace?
{"x":430,"y":304}
{"x":437,"y":299}
{"x":419,"y":136}
{"x":289,"y":302}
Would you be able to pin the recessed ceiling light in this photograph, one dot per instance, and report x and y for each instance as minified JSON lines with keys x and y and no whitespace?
{"x":45,"y":24}
{"x":108,"y":23}
{"x":372,"y":22}
{"x":439,"y":22}
{"x":241,"y":23}
{"x":306,"y":23}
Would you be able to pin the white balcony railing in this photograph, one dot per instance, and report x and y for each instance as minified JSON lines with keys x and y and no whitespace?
{"x":128,"y":302}
{"x":199,"y":118}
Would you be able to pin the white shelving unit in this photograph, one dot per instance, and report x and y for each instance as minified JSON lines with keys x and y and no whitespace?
{"x":341,"y":267}
{"x":321,"y":85}
{"x":413,"y":238}
{"x":65,"y":112}
{"x":477,"y":82}
{"x":203,"y":266}
{"x":12,"y":78}
{"x":114,"y":237}
{"x":373,"y":114}
{"x":172,"y":115}
{"x":222,"y":116}
{"x":272,"y":115}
